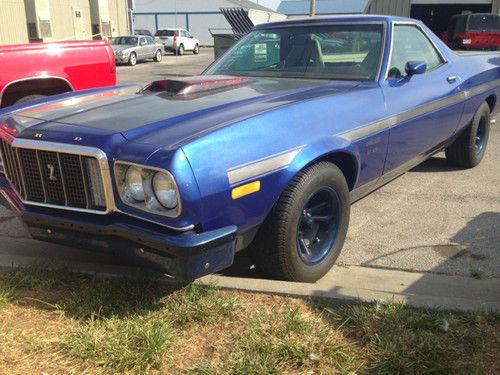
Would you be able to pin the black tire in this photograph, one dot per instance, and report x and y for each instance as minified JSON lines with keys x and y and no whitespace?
{"x":468,"y":149}
{"x":158,"y":56}
{"x":180,"y":50}
{"x":132,"y":59}
{"x":28,"y":98}
{"x":276,"y":249}
{"x":196,"y":49}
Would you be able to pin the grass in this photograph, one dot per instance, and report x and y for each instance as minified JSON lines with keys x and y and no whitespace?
{"x":132,"y":344}
{"x":60,"y":322}
{"x":401,"y":339}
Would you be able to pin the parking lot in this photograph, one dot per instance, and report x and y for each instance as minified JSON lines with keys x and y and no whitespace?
{"x":433,"y":219}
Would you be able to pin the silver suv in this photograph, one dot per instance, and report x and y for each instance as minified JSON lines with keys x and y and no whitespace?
{"x":178,"y":41}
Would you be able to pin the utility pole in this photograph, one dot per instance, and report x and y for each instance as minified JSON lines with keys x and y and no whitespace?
{"x":312,"y":10}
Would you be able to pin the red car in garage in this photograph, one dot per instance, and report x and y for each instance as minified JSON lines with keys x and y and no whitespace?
{"x":31,"y":71}
{"x":480,"y":31}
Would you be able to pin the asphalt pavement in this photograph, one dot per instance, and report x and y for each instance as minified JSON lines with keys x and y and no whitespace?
{"x":435,"y":219}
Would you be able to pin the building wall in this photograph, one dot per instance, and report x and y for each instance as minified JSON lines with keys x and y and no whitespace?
{"x":13,"y":25}
{"x":390,"y":7}
{"x":495,"y":6}
{"x":194,"y":15}
{"x":22,"y":21}
{"x":70,"y":20}
{"x":118,"y":14}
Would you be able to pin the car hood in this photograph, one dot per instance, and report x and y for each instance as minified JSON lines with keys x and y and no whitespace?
{"x":184,"y":107}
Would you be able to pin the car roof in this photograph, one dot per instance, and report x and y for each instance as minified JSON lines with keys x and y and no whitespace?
{"x":319,"y":20}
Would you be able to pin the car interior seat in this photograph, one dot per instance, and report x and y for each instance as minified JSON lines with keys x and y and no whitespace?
{"x":305,"y":54}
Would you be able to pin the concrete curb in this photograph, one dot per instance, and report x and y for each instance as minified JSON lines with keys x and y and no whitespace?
{"x":345,"y":284}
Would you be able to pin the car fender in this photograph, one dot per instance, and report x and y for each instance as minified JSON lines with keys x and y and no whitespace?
{"x":325,"y":150}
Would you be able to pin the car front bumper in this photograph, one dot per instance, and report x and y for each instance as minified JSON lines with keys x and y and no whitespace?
{"x":119,"y":59}
{"x":183,"y":255}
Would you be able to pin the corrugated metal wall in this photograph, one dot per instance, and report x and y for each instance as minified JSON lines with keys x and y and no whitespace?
{"x":390,"y":7}
{"x":13,"y":26}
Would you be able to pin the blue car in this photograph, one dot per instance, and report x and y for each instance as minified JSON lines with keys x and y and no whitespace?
{"x":266,"y":150}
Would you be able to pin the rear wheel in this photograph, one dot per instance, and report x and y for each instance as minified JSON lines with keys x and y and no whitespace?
{"x":132,"y":60}
{"x":158,"y":56}
{"x":305,"y":232}
{"x":28,"y":98}
{"x":468,"y":150}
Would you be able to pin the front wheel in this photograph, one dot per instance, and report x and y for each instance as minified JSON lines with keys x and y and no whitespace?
{"x":196,"y":49}
{"x":158,"y":56}
{"x":132,"y":60}
{"x":303,"y":235}
{"x":468,"y":149}
{"x":180,"y":50}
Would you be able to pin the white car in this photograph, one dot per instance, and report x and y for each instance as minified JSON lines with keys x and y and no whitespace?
{"x":178,"y":41}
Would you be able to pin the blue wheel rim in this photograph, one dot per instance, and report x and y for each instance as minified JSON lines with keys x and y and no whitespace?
{"x":318,"y":226}
{"x":480,"y":137}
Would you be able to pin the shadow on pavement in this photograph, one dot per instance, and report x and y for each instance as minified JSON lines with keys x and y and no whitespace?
{"x":435,"y":164}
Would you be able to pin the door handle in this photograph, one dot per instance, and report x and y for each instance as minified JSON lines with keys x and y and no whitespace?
{"x":451,"y":79}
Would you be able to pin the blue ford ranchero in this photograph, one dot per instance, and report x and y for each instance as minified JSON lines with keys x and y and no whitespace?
{"x":266,"y":149}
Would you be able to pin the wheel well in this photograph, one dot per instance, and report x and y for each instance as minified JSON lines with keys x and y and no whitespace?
{"x":346,"y":163}
{"x":491,"y":100}
{"x":37,"y":86}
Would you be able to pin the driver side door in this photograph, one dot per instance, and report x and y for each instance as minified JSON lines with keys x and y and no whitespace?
{"x":142,"y":50}
{"x":425,"y":108}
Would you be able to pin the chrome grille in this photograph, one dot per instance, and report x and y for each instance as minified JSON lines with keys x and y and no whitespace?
{"x":54,"y":178}
{"x":11,"y":166}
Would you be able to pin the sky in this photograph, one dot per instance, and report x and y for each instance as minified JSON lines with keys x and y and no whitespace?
{"x":273,"y":4}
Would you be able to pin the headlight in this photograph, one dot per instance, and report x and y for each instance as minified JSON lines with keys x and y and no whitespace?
{"x":133,"y":185}
{"x":148,"y":189}
{"x":165,"y":191}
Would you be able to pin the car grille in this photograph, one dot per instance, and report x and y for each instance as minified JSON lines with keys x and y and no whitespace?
{"x":54,"y":178}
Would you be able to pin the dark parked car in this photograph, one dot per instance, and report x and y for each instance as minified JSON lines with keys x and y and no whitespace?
{"x":473,"y":31}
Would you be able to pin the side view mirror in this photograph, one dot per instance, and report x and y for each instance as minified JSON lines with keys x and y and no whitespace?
{"x":191,"y":37}
{"x":415,"y":67}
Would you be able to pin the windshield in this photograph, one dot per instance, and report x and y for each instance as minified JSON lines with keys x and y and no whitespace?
{"x":343,"y":52}
{"x":485,"y":22}
{"x":165,"y":33}
{"x":124,"y":40}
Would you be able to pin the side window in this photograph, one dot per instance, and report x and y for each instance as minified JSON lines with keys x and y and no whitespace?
{"x":150,"y":40}
{"x":142,"y":41}
{"x":410,"y":44}
{"x":185,"y":34}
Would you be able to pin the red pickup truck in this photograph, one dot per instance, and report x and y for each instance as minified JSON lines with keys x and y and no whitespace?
{"x":479,"y":31}
{"x":31,"y":71}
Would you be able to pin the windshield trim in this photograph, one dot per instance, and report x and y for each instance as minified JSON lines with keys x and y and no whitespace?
{"x":333,"y":23}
